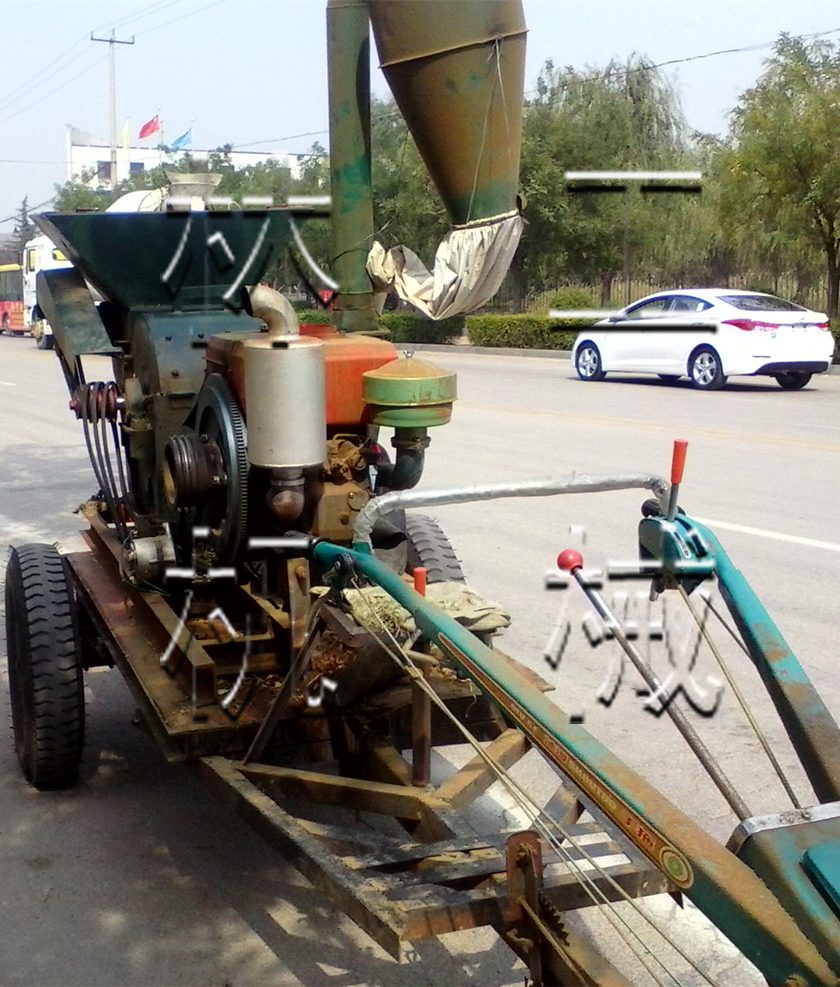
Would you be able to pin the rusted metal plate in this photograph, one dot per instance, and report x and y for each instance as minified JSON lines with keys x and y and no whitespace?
{"x":135,"y":644}
{"x":187,"y":661}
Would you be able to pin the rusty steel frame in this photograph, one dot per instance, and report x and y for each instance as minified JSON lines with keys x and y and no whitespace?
{"x":443,"y":876}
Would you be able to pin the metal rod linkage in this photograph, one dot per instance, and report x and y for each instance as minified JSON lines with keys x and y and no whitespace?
{"x":573,"y":563}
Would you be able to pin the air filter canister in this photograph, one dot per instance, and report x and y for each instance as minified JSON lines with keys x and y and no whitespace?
{"x":286,"y":403}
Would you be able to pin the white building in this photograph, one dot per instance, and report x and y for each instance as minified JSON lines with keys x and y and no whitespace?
{"x":89,"y":159}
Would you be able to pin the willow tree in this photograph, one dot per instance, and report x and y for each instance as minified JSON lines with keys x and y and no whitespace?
{"x":626,"y":116}
{"x":783,"y":171}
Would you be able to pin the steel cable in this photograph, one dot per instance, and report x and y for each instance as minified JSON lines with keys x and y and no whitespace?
{"x":760,"y":736}
{"x":535,"y":813}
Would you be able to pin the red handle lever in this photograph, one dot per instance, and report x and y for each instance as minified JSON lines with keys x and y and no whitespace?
{"x":678,"y":460}
{"x":569,"y":560}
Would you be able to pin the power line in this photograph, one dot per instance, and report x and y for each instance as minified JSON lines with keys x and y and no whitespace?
{"x":40,"y":75}
{"x":38,"y":79}
{"x":29,"y":209}
{"x":311,"y":133}
{"x":594,"y":78}
{"x":139,"y":14}
{"x":41,"y":99}
{"x":174,"y":20}
{"x":693,"y":58}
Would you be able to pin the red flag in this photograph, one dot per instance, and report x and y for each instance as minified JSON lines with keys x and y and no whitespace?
{"x":149,"y":128}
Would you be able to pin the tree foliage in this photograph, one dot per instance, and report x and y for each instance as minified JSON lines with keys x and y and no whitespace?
{"x":624,"y":117}
{"x":768,"y":216}
{"x":782,"y":172}
{"x":24,"y":228}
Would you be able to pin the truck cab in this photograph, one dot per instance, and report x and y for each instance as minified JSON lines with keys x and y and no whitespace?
{"x":39,"y":254}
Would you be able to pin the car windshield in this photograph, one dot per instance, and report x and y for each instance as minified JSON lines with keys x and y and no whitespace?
{"x":761,"y":303}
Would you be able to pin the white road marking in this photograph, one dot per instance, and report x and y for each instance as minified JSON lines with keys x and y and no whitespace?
{"x":7,"y":383}
{"x":763,"y":533}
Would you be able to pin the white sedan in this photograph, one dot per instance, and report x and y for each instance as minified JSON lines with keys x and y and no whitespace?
{"x":708,"y":334}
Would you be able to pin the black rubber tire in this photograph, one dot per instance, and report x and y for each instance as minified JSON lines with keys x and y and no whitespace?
{"x":45,"y":667}
{"x":669,"y":378}
{"x":793,"y":381}
{"x":429,"y":547}
{"x":45,"y":341}
{"x":588,"y":362}
{"x":704,"y":369}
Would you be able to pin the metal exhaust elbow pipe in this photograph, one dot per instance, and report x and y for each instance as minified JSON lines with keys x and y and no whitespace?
{"x":275,"y":310}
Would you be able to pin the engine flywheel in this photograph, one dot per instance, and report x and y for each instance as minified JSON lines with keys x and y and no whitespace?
{"x":224,"y":511}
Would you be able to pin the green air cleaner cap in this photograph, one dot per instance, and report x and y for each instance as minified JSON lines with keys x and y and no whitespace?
{"x":409,"y":393}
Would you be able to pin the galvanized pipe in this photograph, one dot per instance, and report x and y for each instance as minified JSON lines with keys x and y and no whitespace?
{"x":576,"y":483}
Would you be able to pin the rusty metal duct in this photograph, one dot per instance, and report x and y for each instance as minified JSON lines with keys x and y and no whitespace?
{"x":457,"y":70}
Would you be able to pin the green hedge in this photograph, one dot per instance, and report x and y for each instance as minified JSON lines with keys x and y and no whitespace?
{"x":406,"y":327}
{"x":313,"y":316}
{"x":563,"y":298}
{"x":537,"y":332}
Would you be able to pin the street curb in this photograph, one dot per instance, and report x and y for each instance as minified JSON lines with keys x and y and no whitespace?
{"x":487,"y":350}
{"x":509,"y":351}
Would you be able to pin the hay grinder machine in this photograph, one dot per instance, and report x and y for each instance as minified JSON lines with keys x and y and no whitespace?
{"x":244,"y":497}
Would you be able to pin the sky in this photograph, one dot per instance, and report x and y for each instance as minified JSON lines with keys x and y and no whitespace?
{"x":253,"y":72}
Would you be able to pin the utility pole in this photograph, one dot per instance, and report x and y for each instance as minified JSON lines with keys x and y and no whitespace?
{"x":112,"y":41}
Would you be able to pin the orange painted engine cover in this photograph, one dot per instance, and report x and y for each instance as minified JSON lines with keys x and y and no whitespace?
{"x":346,"y":358}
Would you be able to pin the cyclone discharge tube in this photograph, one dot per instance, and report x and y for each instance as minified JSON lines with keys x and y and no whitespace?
{"x":457,"y":71}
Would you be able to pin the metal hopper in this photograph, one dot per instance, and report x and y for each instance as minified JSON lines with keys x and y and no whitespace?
{"x":171,"y":261}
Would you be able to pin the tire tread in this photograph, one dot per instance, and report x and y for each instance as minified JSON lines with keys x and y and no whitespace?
{"x":429,"y":547}
{"x":45,"y":669}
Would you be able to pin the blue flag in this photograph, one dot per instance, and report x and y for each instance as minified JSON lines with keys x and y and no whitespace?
{"x":185,"y":140}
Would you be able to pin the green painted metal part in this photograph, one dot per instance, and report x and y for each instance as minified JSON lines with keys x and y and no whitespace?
{"x":348,"y":54}
{"x":409,"y":394}
{"x":823,"y":864}
{"x":457,"y":72}
{"x":174,"y":261}
{"x":723,"y":887}
{"x":66,"y":302}
{"x":807,"y":720}
{"x":421,"y":417}
{"x":782,"y":858}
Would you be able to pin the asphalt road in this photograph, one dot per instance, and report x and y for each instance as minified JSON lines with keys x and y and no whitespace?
{"x":138,"y":877}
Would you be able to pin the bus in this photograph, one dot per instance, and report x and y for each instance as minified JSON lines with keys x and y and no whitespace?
{"x":11,"y":299}
{"x":39,"y":254}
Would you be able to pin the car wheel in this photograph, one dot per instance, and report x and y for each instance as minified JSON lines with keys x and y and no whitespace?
{"x":793,"y":381}
{"x":669,"y":378}
{"x":588,"y":362}
{"x":704,"y":369}
{"x":45,"y":341}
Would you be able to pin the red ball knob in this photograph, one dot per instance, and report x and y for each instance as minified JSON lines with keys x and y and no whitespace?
{"x":569,"y":560}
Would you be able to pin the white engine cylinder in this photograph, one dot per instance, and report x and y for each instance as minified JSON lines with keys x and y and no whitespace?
{"x":285,"y":397}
